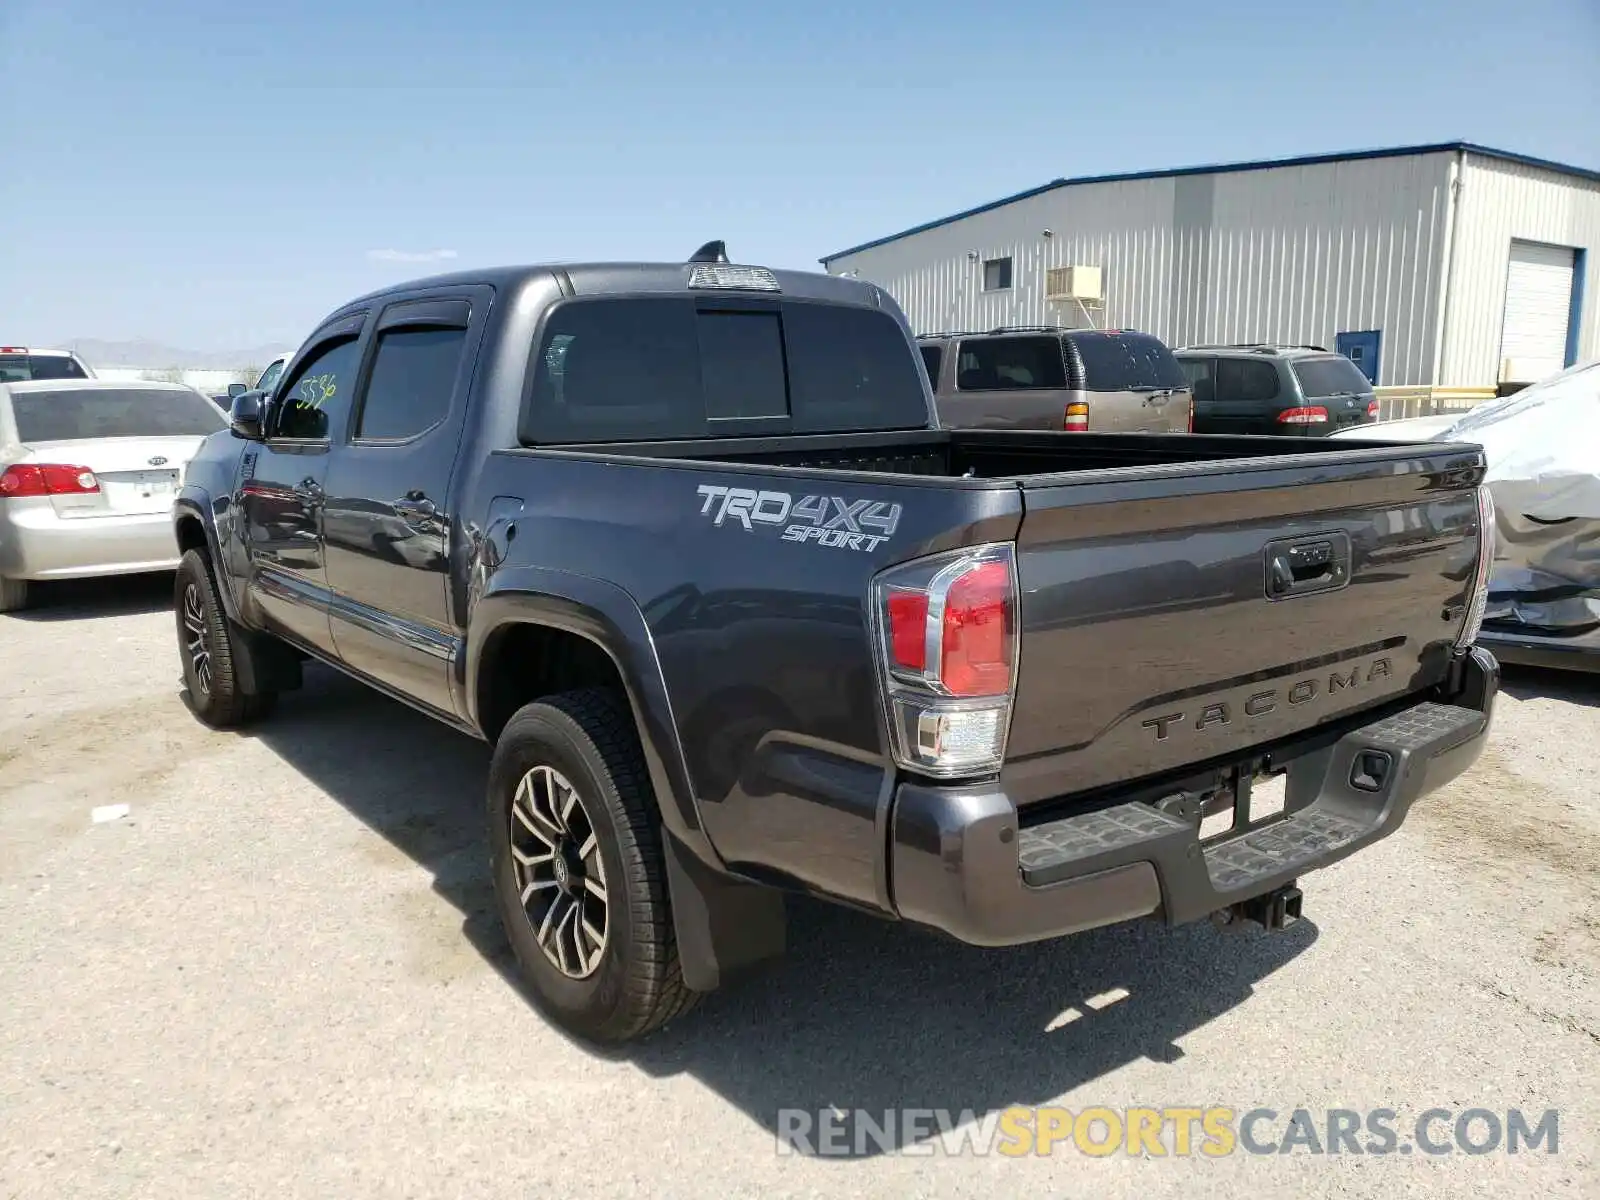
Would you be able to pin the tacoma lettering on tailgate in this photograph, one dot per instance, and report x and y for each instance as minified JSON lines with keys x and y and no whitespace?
{"x":836,"y":522}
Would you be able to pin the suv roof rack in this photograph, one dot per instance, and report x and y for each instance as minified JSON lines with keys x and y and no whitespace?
{"x":1003,"y":329}
{"x":1256,"y":347}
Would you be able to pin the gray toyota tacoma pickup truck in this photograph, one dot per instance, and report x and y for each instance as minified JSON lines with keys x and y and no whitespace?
{"x":686,"y":544}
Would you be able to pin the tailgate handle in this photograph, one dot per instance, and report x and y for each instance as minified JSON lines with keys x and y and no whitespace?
{"x":1319,"y":564}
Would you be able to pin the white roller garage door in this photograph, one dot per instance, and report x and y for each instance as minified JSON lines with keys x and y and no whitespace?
{"x":1533,"y":337}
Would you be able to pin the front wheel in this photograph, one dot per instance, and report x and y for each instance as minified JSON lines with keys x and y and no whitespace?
{"x":579,"y":876}
{"x":210,"y":651}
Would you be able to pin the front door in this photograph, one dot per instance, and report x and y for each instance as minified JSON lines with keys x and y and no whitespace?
{"x":388,"y":509}
{"x":281,"y":490}
{"x":1361,"y":348}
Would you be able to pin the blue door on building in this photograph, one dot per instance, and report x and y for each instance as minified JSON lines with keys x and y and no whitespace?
{"x":1361,"y":348}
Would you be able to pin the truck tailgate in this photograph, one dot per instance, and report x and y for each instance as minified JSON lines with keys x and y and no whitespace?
{"x":1175,"y":615}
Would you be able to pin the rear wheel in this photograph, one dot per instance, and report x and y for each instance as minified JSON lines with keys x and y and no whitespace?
{"x":579,"y":876}
{"x":13,"y":594}
{"x":210,"y":649}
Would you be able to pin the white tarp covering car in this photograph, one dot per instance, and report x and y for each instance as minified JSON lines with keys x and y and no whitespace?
{"x":1543,"y":450}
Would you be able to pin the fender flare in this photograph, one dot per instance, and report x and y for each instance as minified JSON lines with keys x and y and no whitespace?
{"x":606,"y":615}
{"x":195,"y":502}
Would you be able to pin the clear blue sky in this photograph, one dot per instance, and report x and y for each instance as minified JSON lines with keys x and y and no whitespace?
{"x":216,"y":176}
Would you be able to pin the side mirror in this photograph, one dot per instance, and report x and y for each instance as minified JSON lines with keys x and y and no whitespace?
{"x":235,"y":390}
{"x":248,"y":416}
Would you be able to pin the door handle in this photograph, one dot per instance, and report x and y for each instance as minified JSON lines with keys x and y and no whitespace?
{"x":416,"y":507}
{"x":309,"y":489}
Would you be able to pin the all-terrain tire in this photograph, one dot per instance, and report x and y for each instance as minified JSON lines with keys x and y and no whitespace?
{"x":214,"y":690}
{"x":589,"y":737}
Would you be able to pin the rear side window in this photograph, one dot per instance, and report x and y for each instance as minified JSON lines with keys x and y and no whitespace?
{"x":1331,"y":376}
{"x":20,"y":368}
{"x":80,"y":415}
{"x":413,"y":380}
{"x":662,"y":367}
{"x":1121,"y":362}
{"x":1246,"y":380}
{"x":1005,"y":364}
{"x":1198,"y":373}
{"x":932,"y":358}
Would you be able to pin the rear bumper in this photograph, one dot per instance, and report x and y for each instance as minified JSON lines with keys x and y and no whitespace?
{"x":1531,"y":650}
{"x":960,"y":862}
{"x":43,"y":546}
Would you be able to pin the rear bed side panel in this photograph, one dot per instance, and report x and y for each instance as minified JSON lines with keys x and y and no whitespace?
{"x":760,"y":628}
{"x":1149,"y":640}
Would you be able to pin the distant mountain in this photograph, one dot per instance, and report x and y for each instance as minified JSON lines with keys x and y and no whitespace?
{"x":142,"y":353}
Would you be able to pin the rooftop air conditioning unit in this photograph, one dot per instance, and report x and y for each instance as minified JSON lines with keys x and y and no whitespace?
{"x":1079,"y":282}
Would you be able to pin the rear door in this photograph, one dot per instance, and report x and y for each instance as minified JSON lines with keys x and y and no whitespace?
{"x":1009,"y":381}
{"x":1149,"y":641}
{"x":1133,"y":382}
{"x":281,"y":485}
{"x":387,"y":513}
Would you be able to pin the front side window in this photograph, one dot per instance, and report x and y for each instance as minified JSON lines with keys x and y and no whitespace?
{"x":413,"y":381}
{"x":269,"y":377}
{"x":996,"y":274}
{"x":1246,"y":381}
{"x":317,"y":402}
{"x":1198,"y":372}
{"x":1004,"y":364}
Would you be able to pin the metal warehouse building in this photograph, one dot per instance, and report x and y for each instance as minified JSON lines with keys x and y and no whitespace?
{"x":1448,"y":268}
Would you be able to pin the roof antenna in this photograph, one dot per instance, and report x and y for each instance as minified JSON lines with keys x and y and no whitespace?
{"x":711,"y":252}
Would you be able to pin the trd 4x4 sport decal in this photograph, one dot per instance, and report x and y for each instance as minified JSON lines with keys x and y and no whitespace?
{"x":836,"y":522}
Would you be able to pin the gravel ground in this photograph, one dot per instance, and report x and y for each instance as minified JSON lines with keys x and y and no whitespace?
{"x":280,"y":975}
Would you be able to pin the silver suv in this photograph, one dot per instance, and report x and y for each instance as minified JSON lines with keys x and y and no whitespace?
{"x":1047,"y":377}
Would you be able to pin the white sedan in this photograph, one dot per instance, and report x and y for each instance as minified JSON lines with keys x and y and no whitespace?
{"x":88,"y":471}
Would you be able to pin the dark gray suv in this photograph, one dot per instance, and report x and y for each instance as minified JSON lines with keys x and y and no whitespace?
{"x":1304,"y":391}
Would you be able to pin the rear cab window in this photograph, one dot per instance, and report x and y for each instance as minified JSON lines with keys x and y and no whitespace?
{"x":88,"y":413}
{"x":21,"y":368}
{"x":1127,"y":362}
{"x":1334,"y":375}
{"x":670,"y":367}
{"x":1003,"y":364}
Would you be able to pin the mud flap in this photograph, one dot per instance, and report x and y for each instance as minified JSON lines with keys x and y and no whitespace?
{"x":725,"y":927}
{"x":262,"y":663}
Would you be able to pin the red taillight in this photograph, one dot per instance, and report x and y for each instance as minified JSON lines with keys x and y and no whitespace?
{"x":47,"y":479}
{"x":1372,"y":411}
{"x":1312,"y":415}
{"x":947,"y":651}
{"x":975,"y":642}
{"x":908,"y":629}
{"x":1076,"y":418}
